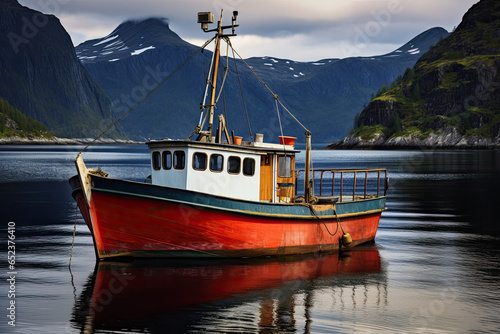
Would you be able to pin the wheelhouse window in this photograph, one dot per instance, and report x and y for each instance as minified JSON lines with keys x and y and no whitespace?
{"x":216,"y":162}
{"x":233,"y":165}
{"x":166,"y":159}
{"x":248,"y":167}
{"x":179,"y":160}
{"x":156,"y":160}
{"x":199,"y":161}
{"x":285,"y":166}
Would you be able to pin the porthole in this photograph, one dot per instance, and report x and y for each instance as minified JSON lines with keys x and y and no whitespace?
{"x":199,"y":161}
{"x":248,"y":167}
{"x":233,"y":165}
{"x":216,"y":162}
{"x":166,"y":160}
{"x":156,"y":160}
{"x":179,"y":160}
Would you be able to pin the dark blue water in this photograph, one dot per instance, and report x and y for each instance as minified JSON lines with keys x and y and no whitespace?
{"x":434,"y":267}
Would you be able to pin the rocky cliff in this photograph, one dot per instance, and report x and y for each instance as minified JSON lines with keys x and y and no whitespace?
{"x":451,"y":98}
{"x":41,"y":76}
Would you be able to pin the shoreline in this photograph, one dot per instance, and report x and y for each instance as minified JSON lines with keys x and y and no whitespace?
{"x":367,"y":147}
{"x":446,"y":139}
{"x":65,"y":141}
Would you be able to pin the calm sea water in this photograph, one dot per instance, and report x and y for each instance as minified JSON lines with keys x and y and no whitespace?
{"x":434,"y":267}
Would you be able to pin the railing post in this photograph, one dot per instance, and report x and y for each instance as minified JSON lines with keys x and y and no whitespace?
{"x":341,"y":185}
{"x":354,"y":187}
{"x":321,"y":184}
{"x":378,"y":184}
{"x":307,"y":188}
{"x":333,"y":181}
{"x":296,"y":180}
{"x":386,"y":185}
{"x":366,"y":181}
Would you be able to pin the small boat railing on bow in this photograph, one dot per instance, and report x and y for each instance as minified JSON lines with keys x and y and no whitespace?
{"x":346,"y":184}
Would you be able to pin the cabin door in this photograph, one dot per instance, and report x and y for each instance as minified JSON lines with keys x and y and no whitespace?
{"x":285,"y":178}
{"x":266,"y":178}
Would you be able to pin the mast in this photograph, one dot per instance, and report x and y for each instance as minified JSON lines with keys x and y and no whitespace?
{"x":214,"y":80}
{"x":205,"y":18}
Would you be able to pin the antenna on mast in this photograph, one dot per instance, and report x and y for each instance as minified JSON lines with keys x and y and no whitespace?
{"x":206,"y":18}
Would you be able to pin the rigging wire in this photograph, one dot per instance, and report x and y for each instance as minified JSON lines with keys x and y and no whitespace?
{"x":225,"y":75}
{"x":269,"y":89}
{"x":221,"y":89}
{"x":172,"y":96}
{"x":147,"y":95}
{"x":241,"y":90}
{"x":275,"y":97}
{"x":279,"y":119}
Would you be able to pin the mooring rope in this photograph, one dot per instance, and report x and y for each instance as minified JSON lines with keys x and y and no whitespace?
{"x":313,"y":212}
{"x":73,"y":242}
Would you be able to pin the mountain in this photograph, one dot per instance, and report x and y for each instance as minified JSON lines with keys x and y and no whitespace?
{"x":41,"y":76}
{"x":134,"y":59}
{"x":138,"y":55}
{"x":451,"y":98}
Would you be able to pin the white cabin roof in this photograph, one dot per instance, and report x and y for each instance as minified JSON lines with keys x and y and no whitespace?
{"x":258,"y":148}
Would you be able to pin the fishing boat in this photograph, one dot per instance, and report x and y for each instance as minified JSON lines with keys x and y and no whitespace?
{"x":218,"y":196}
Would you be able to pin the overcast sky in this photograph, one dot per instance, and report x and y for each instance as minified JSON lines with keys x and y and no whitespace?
{"x":302,"y":30}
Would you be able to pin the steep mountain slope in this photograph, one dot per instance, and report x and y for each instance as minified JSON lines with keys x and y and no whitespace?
{"x":452,"y":95}
{"x":138,"y":55}
{"x":14,"y":123}
{"x":41,"y":76}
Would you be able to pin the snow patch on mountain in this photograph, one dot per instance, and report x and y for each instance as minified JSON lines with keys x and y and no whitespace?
{"x":138,"y":52}
{"x":106,"y":40}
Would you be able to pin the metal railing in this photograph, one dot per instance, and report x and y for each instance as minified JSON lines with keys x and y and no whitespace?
{"x":358,"y":183}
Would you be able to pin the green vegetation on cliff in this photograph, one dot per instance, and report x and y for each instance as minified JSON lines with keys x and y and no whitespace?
{"x":455,"y":84}
{"x":14,"y":123}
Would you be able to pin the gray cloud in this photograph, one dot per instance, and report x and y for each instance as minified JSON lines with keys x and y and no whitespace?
{"x":293,"y":29}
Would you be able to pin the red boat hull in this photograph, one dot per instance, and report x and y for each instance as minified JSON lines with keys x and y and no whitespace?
{"x":124,"y":225}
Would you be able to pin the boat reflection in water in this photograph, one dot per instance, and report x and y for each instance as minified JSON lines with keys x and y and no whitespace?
{"x":254,"y":294}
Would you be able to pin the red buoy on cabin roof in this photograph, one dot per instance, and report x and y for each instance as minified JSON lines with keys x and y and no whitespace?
{"x":287,"y":140}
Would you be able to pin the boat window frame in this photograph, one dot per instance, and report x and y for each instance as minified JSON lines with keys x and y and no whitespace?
{"x":244,"y":167}
{"x":156,"y":160}
{"x":164,"y":162}
{"x":228,"y":164}
{"x":287,"y":168}
{"x":221,"y":164}
{"x":174,"y":160}
{"x":206,"y":161}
